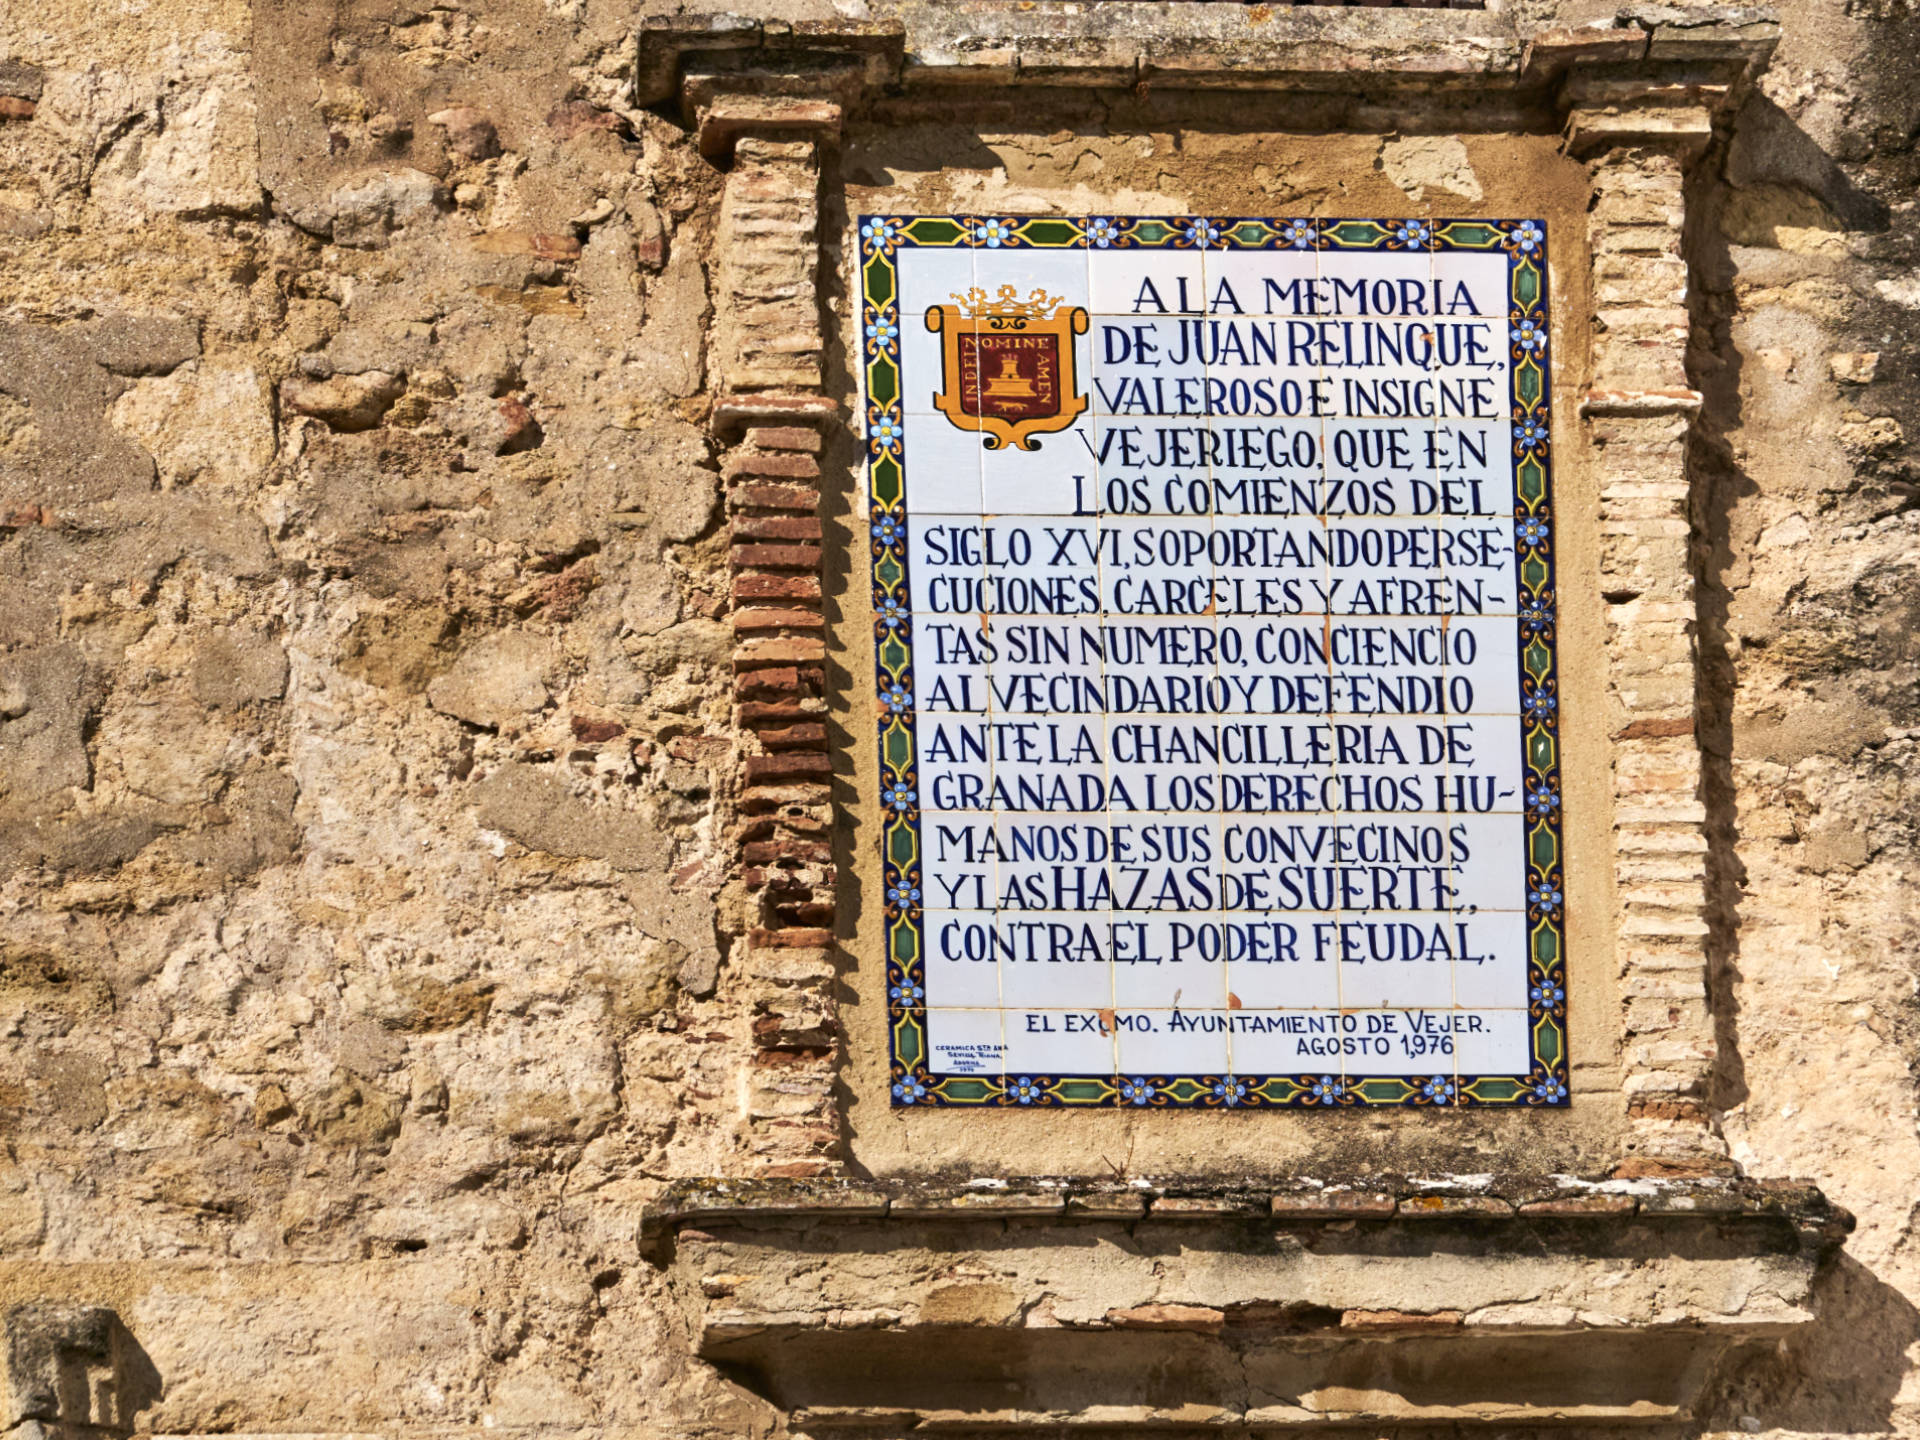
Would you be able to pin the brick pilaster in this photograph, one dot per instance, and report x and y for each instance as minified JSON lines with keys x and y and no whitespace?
{"x":1638,"y":413}
{"x":771,"y":415}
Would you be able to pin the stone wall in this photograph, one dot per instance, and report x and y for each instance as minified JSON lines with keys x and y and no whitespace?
{"x":416,"y":848}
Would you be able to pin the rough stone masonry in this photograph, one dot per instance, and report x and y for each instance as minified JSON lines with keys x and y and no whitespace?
{"x":426,"y":767}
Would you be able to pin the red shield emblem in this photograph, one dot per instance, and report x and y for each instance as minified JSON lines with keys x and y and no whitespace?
{"x":1008,"y":366}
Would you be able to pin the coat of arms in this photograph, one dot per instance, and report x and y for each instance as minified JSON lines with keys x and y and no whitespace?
{"x":1006,"y":367}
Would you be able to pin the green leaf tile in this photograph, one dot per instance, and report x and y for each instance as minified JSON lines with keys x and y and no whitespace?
{"x":932,"y":231}
{"x":1526,"y":285}
{"x":1543,"y":847}
{"x":880,"y":286}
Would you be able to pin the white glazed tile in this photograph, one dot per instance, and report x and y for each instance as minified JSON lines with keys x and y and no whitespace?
{"x":1262,"y":660}
{"x":1494,"y":972}
{"x":1159,"y":762}
{"x":945,"y":566}
{"x":961,"y":861}
{"x":1146,"y":365}
{"x":1478,"y":448}
{"x":1389,"y":1042}
{"x":1387,"y":664}
{"x":1158,"y":664}
{"x":927,"y":278}
{"x":1054,"y":959}
{"x":1273,"y":963}
{"x":1066,"y":789}
{"x":1269,"y":567}
{"x":955,"y":767}
{"x":1496,"y":1045}
{"x":1488,"y":854}
{"x":942,"y":466}
{"x":1134,"y":282}
{"x":1124,"y":463}
{"x":1257,"y":370}
{"x":1057,"y":1042}
{"x":1277,"y":669}
{"x":1468,"y":465}
{"x":1484,"y":760}
{"x":964,"y":1042}
{"x":950,"y":672}
{"x":1480,"y":565}
{"x":1269,"y":467}
{"x":1165,"y":862}
{"x":1047,"y":665}
{"x":1377,"y":467}
{"x":1262,"y":854}
{"x":1036,"y":565}
{"x":1374,"y":391}
{"x":931,"y":276}
{"x":1486,"y":651}
{"x":1145,"y":985}
{"x":1060,"y":273}
{"x":1052,"y":861}
{"x":1373,"y":558}
{"x":961,"y":873}
{"x":1161,"y":566}
{"x":1173,"y":1042}
{"x":1375,"y":284}
{"x":1392,"y":766}
{"x":1275,"y":284}
{"x":1161,"y":863}
{"x":1271,"y":766}
{"x":1484,"y":274}
{"x":1390,"y":959}
{"x":961,"y":970}
{"x":1167,"y":960}
{"x":1476,"y":395}
{"x":1303,"y":1042}
{"x":1280,"y":781}
{"x":1057,"y":476}
{"x":920,"y":366}
{"x":1361,"y":296}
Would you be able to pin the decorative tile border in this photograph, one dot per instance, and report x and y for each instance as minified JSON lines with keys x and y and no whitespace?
{"x":1524,"y":242}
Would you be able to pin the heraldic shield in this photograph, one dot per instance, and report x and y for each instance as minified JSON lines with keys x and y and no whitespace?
{"x":1006,"y":366}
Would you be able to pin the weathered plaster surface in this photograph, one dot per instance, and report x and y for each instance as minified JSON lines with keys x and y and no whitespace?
{"x":373,"y":942}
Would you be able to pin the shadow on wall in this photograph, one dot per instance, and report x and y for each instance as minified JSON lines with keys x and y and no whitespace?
{"x":1768,"y":149}
{"x":1769,"y":176}
{"x":76,"y":1365}
{"x":1839,"y":1375}
{"x":1842,"y":1373}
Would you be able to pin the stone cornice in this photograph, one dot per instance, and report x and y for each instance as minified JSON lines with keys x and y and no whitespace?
{"x":1799,"y":1214}
{"x":936,"y":1308}
{"x":1695,"y":57}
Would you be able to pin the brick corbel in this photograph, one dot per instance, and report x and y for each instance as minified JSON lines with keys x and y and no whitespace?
{"x":1656,"y":77}
{"x":690,"y":59}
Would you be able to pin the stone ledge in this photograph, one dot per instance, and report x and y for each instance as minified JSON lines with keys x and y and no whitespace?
{"x":937,"y":47}
{"x":1601,"y":403}
{"x":1792,"y":1207}
{"x":1445,"y":1300}
{"x":733,"y":413}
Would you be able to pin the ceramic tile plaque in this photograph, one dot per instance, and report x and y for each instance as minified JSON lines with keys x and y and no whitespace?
{"x":1213,"y":581}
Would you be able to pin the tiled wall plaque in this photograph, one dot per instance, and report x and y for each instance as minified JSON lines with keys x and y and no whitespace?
{"x":1219,"y":745}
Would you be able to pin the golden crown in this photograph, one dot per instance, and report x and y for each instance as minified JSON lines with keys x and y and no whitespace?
{"x":977,"y":307}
